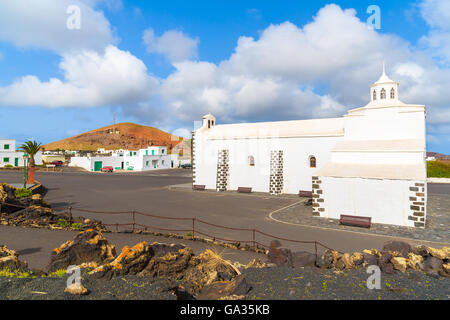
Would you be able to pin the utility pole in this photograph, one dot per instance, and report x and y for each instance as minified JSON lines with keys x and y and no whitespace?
{"x":114,"y":122}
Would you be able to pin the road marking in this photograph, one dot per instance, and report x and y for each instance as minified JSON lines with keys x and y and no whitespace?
{"x":291,"y":205}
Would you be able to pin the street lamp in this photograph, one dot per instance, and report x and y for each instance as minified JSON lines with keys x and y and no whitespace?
{"x":25,"y":170}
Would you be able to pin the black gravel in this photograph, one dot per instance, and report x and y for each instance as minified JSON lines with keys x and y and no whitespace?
{"x":316,"y":284}
{"x":120,"y":288}
{"x":267,"y":283}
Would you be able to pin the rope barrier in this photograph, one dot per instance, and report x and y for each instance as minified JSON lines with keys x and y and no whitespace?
{"x":193,"y":229}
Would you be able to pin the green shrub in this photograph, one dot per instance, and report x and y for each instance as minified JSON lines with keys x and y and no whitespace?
{"x":7,"y":272}
{"x":57,"y":274}
{"x":22,"y":193}
{"x":438,"y":169}
{"x":63,"y":223}
{"x":76,"y":225}
{"x":8,"y":166}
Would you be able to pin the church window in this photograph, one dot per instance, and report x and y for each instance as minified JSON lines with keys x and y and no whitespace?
{"x":374,"y":95}
{"x":251,"y":161}
{"x":392,"y":93}
{"x":383,"y":94}
{"x":312,"y":162}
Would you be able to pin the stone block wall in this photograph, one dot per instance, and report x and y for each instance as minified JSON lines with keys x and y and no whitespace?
{"x":417,"y":203}
{"x":318,"y":199}
{"x":276,"y":183}
{"x":223,"y":170}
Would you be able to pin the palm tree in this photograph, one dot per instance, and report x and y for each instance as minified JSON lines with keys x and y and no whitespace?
{"x":31,"y":148}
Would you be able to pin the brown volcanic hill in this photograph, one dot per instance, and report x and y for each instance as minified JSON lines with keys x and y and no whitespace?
{"x":127,"y":135}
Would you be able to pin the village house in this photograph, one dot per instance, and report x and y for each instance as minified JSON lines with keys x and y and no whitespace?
{"x":151,"y":158}
{"x":10,"y":157}
{"x":370,"y":162}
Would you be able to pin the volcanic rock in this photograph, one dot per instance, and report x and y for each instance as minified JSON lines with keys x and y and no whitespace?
{"x":87,"y":246}
{"x":303,"y":259}
{"x":399,"y":263}
{"x":432,"y":265}
{"x":130,"y":261}
{"x":278,"y":255}
{"x":443,"y":253}
{"x":357,"y":258}
{"x":326,"y":260}
{"x":384,"y":261}
{"x":9,"y":259}
{"x":76,"y":289}
{"x":398,"y":246}
{"x":220,"y":290}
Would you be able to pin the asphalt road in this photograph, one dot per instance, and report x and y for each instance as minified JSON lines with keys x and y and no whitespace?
{"x":150,"y":192}
{"x":35,"y":245}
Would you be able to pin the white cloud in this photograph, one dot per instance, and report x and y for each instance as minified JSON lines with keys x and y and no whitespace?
{"x":91,"y":79}
{"x":319,"y":70}
{"x":42,"y":24}
{"x":181,"y":132}
{"x":437,"y":43}
{"x":288,"y":72}
{"x":436,"y":13}
{"x":173,"y":44}
{"x":274,"y":77}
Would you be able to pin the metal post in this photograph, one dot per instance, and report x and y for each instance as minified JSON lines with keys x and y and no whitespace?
{"x":315,"y":248}
{"x":134,"y":221}
{"x":254,"y":243}
{"x":70,"y":216}
{"x":193,"y":228}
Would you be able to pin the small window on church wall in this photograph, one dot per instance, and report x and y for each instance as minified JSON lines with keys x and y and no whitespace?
{"x":383,"y":94}
{"x":392,"y":93}
{"x":374,"y":95}
{"x":312,"y":162}
{"x":251,"y":161}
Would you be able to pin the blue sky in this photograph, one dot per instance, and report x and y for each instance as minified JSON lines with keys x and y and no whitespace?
{"x":165,"y":63}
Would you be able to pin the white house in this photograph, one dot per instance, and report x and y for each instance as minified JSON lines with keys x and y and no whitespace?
{"x":371,"y":162}
{"x":9,"y":155}
{"x":151,"y":158}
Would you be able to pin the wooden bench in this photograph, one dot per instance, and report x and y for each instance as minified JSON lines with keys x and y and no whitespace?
{"x":198,"y":187}
{"x":305,"y":194}
{"x":355,"y":221}
{"x":244,"y":189}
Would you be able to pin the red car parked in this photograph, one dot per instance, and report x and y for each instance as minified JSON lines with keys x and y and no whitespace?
{"x":57,"y":163}
{"x":107,"y":169}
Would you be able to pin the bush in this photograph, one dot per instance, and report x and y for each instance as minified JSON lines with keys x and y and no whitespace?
{"x":8,"y":166}
{"x":63,"y":223}
{"x":22,"y":193}
{"x":6,"y":272}
{"x":188,"y":236}
{"x":76,"y":225}
{"x":438,"y":169}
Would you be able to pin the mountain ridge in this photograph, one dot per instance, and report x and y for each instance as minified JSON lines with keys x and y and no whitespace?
{"x":125,"y":135}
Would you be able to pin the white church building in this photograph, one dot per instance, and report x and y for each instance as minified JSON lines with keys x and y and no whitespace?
{"x":370,"y":162}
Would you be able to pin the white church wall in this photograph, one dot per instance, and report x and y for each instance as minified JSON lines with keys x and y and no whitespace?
{"x":385,"y":201}
{"x":296,"y":154}
{"x":385,"y":124}
{"x":377,"y":157}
